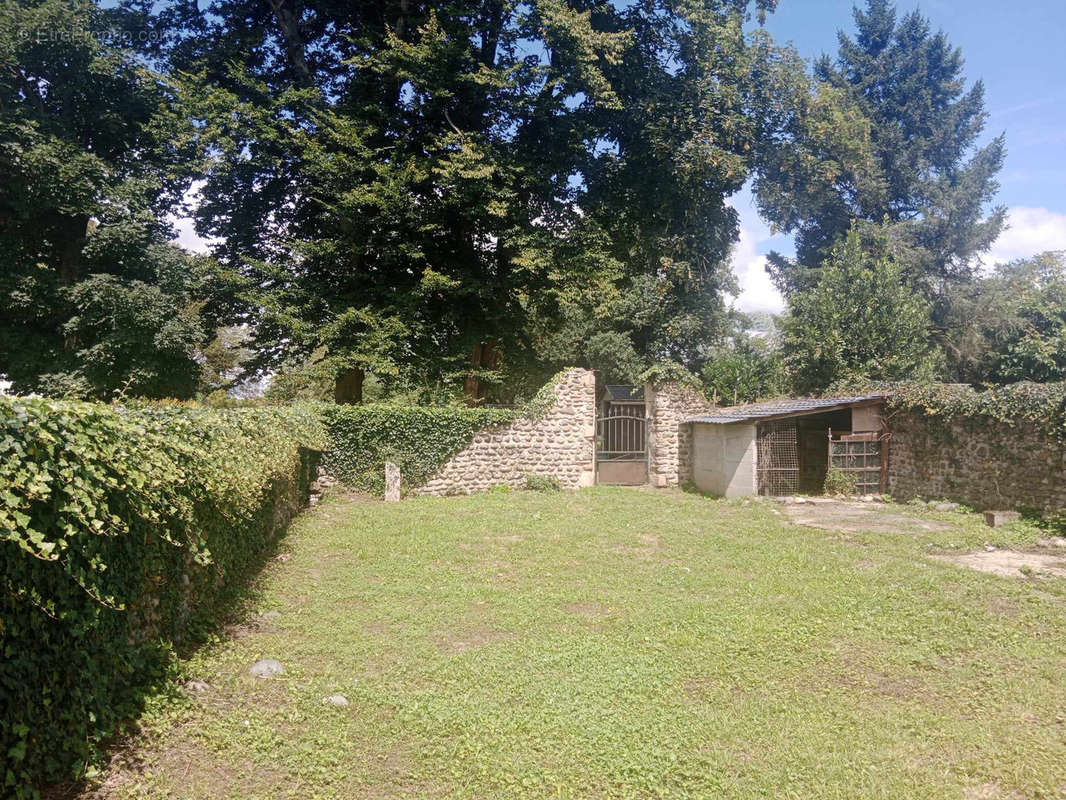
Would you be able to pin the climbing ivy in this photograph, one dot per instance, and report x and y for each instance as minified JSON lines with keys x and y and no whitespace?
{"x":1042,"y":404}
{"x":418,"y":439}
{"x":118,"y":528}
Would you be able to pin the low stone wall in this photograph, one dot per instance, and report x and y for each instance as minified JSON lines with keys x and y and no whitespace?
{"x":670,"y":441}
{"x":978,"y":461}
{"x":559,"y":443}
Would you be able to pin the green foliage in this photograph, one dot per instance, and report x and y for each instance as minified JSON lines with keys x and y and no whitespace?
{"x":94,"y":151}
{"x":118,"y":527}
{"x":1043,"y":404}
{"x":1011,"y":325}
{"x":748,"y":369}
{"x":488,"y":171}
{"x":418,"y":439}
{"x":839,"y":482}
{"x":860,"y":319}
{"x":888,"y":136}
{"x":542,"y":483}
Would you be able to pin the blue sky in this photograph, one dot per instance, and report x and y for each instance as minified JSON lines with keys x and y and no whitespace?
{"x":1019,"y":51}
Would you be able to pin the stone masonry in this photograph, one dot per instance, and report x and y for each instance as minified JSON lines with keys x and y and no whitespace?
{"x":560,"y":444}
{"x":979,"y":461}
{"x":669,"y":441}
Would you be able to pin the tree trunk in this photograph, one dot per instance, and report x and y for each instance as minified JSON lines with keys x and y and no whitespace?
{"x":484,"y":355}
{"x":349,"y":388}
{"x":289,"y":26}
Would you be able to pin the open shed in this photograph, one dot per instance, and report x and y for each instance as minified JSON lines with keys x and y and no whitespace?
{"x":786,"y":447}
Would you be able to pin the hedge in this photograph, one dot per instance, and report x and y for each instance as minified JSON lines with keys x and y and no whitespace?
{"x":1043,"y":404}
{"x":120,"y":530}
{"x":418,"y":439}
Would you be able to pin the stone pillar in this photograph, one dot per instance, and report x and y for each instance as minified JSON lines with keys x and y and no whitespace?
{"x":392,"y":482}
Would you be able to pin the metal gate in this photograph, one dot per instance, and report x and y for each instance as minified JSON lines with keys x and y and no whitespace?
{"x":777,"y":458}
{"x":622,"y":447}
{"x":861,"y":455}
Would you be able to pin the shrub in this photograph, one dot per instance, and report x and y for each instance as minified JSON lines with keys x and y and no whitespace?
{"x":119,"y":529}
{"x":542,"y":483}
{"x":839,"y":482}
{"x":418,"y":439}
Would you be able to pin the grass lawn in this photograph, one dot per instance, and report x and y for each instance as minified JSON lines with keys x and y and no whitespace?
{"x":620,"y":643}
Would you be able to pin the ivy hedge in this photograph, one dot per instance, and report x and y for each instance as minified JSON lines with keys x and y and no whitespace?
{"x":1043,"y":404}
{"x":418,"y":439}
{"x":120,"y":530}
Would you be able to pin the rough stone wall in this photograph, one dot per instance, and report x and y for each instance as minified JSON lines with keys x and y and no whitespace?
{"x":975,"y":460}
{"x":670,"y":441}
{"x":559,"y":444}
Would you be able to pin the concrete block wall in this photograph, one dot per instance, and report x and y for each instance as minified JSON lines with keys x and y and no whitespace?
{"x":724,"y":459}
{"x":560,"y":443}
{"x":669,"y":440}
{"x":978,"y":461}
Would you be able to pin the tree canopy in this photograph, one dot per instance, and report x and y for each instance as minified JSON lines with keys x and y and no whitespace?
{"x":888,"y":138}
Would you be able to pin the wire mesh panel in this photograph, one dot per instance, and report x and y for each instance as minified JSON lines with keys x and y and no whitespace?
{"x":777,"y":452}
{"x":861,"y":455}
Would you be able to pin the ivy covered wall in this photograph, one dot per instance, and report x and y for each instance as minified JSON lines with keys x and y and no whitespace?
{"x":998,"y":449}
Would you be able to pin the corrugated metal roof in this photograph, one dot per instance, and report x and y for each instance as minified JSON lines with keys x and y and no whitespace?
{"x":619,"y":392}
{"x":782,"y":408}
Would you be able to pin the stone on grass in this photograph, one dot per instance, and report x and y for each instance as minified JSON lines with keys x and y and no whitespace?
{"x":994,"y":519}
{"x":392,"y":483}
{"x":266,"y":668}
{"x":271,"y":615}
{"x":197,"y":687}
{"x":336,"y":700}
{"x":946,"y":506}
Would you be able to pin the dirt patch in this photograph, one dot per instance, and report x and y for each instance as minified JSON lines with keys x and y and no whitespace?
{"x":593,"y":612}
{"x":838,"y":515}
{"x":1010,"y":563}
{"x":459,"y":641}
{"x":648,"y":546}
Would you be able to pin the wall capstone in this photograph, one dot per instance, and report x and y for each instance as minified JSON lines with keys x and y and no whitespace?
{"x":558,"y":443}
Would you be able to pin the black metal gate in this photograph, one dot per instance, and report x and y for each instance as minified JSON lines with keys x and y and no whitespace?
{"x":622,"y":446}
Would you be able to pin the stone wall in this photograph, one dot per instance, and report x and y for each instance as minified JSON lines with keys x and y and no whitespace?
{"x":670,"y":441}
{"x":559,"y":443}
{"x":978,"y":461}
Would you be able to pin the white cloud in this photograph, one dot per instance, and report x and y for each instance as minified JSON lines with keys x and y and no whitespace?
{"x":187,"y":236}
{"x":1030,"y":231}
{"x":757,"y":291}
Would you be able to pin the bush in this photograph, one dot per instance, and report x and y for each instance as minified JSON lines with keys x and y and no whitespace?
{"x":119,"y":529}
{"x":839,"y":482}
{"x":542,"y":483}
{"x":418,"y":439}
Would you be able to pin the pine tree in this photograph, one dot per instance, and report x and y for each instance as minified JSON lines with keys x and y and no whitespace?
{"x":896,"y":150}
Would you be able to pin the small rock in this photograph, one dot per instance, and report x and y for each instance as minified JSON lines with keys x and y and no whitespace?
{"x":266,"y":668}
{"x":799,"y":500}
{"x":283,"y":557}
{"x":271,"y":615}
{"x":989,"y":548}
{"x":197,"y":687}
{"x":946,"y":506}
{"x":867,"y":498}
{"x":336,"y":700}
{"x":994,"y":519}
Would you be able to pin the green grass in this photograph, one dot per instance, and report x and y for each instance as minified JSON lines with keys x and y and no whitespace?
{"x":620,"y":643}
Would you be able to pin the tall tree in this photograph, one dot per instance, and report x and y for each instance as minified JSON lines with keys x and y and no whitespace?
{"x":888,"y":138}
{"x":1011,"y":325}
{"x":860,"y":320}
{"x":92,"y":154}
{"x":403,"y":185}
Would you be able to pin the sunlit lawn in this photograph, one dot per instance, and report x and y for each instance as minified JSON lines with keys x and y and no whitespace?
{"x":622,"y":643}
